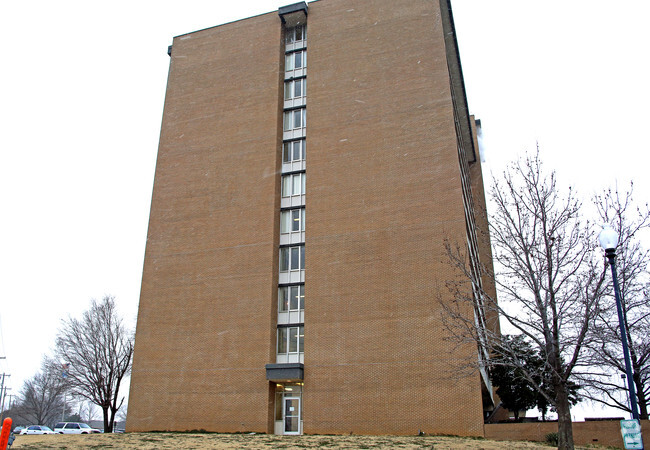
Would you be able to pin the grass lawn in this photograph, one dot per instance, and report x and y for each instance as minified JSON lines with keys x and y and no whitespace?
{"x":144,"y":441}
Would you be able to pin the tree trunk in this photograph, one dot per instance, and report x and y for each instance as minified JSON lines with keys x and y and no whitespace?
{"x":642,"y":400}
{"x":564,"y":424}
{"x":105,"y":412}
{"x":111,"y":422}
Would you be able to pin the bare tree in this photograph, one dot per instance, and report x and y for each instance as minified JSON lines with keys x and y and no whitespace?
{"x":87,"y":411}
{"x":98,"y":351}
{"x":604,"y":380}
{"x":41,"y":398}
{"x":549,"y":278}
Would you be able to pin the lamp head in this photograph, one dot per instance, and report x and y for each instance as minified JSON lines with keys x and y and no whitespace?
{"x":608,"y":238}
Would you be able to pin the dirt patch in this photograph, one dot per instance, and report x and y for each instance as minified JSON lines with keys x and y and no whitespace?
{"x":147,"y":441}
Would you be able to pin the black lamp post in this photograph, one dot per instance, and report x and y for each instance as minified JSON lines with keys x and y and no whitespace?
{"x":609,"y":240}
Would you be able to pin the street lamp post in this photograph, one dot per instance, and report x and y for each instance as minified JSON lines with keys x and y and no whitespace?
{"x":609,"y":240}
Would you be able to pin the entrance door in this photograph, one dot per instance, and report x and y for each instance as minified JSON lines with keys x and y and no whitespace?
{"x":291,"y":415}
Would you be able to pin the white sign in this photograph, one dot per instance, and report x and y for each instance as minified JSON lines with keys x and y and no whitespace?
{"x":631,"y":431}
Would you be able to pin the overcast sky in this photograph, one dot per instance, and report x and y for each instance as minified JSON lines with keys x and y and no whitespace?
{"x":82,"y":89}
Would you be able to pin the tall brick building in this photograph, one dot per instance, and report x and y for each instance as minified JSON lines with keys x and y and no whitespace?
{"x":277,"y":302}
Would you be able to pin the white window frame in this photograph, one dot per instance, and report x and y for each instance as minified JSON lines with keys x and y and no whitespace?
{"x":288,"y":219}
{"x":295,"y":119}
{"x":285,"y":337}
{"x":293,"y":184}
{"x":286,"y":293}
{"x":290,"y":88}
{"x":290,"y":60}
{"x":289,"y":150}
{"x":294,"y":256}
{"x":290,"y":35}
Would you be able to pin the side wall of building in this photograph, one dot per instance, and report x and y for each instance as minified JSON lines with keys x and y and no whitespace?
{"x":206,"y":317}
{"x":384,"y":192}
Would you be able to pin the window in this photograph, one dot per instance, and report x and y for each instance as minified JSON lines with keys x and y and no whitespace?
{"x":291,"y":340}
{"x":293,"y":151}
{"x":295,"y":34}
{"x":295,"y":60}
{"x":293,"y":184}
{"x":292,"y":258}
{"x":295,"y":88}
{"x":291,"y":298}
{"x":296,"y":118}
{"x":292,"y":221}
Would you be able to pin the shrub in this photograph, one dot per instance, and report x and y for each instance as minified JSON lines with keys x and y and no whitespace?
{"x":551,"y":438}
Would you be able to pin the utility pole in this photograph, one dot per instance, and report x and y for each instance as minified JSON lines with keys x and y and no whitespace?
{"x":11,"y":402}
{"x":2,"y":394}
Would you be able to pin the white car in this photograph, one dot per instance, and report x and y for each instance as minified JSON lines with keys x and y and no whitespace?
{"x":74,"y":428}
{"x":37,"y":429}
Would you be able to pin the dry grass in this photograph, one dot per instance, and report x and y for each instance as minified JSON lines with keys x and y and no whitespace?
{"x":144,"y":441}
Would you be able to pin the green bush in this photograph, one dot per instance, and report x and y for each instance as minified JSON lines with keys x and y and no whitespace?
{"x":551,"y":438}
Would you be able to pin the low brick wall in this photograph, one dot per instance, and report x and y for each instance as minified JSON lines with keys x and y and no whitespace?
{"x":605,"y":432}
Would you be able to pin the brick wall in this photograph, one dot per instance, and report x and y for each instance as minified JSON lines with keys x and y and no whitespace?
{"x":383,"y":192}
{"x":605,"y":432}
{"x":206,"y":316}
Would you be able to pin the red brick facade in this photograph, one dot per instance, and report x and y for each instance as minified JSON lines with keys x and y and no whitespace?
{"x":382,"y":194}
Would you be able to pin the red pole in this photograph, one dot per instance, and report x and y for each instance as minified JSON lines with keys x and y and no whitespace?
{"x":4,"y":436}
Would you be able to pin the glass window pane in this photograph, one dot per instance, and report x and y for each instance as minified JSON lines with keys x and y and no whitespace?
{"x":302,"y":220}
{"x":293,"y":340}
{"x":298,"y":60}
{"x":284,"y":259}
{"x":287,"y":120}
{"x":288,"y":62}
{"x":297,"y":88}
{"x":296,"y":184}
{"x":286,"y":152}
{"x":302,"y":258}
{"x":287,"y":90}
{"x":283,"y":298}
{"x":303,"y":146}
{"x":298,"y":31}
{"x":302,"y":187}
{"x":295,"y":219}
{"x":297,"y":118}
{"x":282,"y":340}
{"x":301,"y":339}
{"x":302,"y":296}
{"x":303,"y":122}
{"x":278,"y":403}
{"x":295,"y":258}
{"x":286,"y":186}
{"x":296,"y":150}
{"x":285,"y":222}
{"x":294,"y":298}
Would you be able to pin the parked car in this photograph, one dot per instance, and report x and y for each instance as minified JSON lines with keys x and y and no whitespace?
{"x":74,"y":428}
{"x":17,"y":430}
{"x":37,"y":429}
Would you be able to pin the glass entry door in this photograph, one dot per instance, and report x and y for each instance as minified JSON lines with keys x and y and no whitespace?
{"x":291,"y":415}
